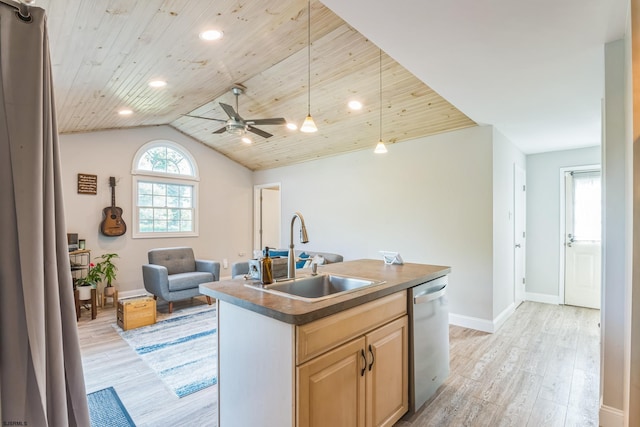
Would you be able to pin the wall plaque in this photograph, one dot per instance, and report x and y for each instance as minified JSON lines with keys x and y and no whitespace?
{"x":87,"y":184}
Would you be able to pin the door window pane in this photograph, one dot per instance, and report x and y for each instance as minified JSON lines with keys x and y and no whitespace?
{"x":587,"y":220}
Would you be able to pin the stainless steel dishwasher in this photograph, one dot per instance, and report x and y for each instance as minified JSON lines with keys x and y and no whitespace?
{"x":429,"y":340}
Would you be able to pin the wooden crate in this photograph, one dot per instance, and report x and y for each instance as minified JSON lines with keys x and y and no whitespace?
{"x":136,"y":312}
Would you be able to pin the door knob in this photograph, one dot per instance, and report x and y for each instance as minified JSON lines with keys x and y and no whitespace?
{"x":518,"y":245}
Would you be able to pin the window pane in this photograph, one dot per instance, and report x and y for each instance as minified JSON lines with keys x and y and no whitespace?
{"x":146,"y":214}
{"x":159,"y":201}
{"x":144,"y":200}
{"x":185,"y":215}
{"x":173,"y":190}
{"x":159,"y":214}
{"x":173,"y":202}
{"x":586,"y":206}
{"x":186,"y":225}
{"x":146,"y":226}
{"x":186,"y":190}
{"x":160,"y":226}
{"x":159,"y":189}
{"x":145,"y":187}
{"x":166,"y":159}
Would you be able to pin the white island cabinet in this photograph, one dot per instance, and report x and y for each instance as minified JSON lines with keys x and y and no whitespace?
{"x":337,"y":362}
{"x":347,"y":369}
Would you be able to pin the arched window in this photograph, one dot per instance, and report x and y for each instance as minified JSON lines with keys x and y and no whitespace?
{"x":165,"y":180}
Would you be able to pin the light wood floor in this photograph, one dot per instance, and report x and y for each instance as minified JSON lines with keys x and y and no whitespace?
{"x":540,"y":369}
{"x":108,"y":361}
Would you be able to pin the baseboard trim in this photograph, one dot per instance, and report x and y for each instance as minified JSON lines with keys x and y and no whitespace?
{"x":543,"y":298}
{"x":471,"y":322}
{"x":482,"y":324}
{"x":611,"y":417}
{"x":502,"y":317}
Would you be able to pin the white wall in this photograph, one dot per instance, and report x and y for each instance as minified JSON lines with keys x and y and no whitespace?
{"x":226,"y":194}
{"x":505,"y":155}
{"x":614,"y":260}
{"x":430,"y":199}
{"x":543,"y":215}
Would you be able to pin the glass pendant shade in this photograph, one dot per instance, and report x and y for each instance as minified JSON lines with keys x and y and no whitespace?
{"x":308,"y":125}
{"x":380,"y":148}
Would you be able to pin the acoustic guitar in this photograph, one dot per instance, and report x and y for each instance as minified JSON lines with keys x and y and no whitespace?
{"x":112,"y":223}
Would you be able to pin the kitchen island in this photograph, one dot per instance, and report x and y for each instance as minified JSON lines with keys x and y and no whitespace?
{"x":286,"y":362}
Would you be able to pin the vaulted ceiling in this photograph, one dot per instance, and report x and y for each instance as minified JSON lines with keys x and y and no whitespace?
{"x":533,"y":70}
{"x":104,"y":54}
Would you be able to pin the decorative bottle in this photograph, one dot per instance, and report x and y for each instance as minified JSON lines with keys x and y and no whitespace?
{"x":267,"y":268}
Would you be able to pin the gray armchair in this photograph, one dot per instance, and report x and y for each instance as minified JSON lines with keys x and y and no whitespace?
{"x":174,"y":274}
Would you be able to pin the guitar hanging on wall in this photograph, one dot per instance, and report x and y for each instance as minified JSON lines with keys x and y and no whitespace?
{"x":112,"y":223}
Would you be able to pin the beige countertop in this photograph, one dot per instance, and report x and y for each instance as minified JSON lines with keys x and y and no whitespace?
{"x":296,"y":312}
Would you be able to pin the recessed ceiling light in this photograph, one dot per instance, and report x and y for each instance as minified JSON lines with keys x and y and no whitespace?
{"x":125,"y":112}
{"x":355,"y":105}
{"x":211,"y":35}
{"x":157,"y":83}
{"x":292,"y":126}
{"x":246,"y":140}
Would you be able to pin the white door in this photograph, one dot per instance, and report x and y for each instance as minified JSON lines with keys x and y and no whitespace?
{"x":519,"y":234}
{"x":267,"y":216}
{"x":582,"y":238}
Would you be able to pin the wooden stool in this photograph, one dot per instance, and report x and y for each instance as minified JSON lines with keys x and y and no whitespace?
{"x":92,"y":301}
{"x":113,"y":296}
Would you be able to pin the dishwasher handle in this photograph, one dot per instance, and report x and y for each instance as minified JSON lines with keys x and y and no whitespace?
{"x":430,"y":295}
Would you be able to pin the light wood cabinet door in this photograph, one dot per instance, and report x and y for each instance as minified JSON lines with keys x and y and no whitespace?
{"x":387,"y":373}
{"x":331,"y":388}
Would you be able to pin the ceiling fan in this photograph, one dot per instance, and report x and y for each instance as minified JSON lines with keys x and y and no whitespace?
{"x":236,"y":124}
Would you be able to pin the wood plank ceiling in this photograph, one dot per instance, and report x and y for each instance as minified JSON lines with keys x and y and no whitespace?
{"x":105,"y":53}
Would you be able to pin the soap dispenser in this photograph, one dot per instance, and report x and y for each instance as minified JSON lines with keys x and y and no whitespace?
{"x":267,"y":268}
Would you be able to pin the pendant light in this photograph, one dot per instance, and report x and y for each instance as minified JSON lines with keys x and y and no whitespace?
{"x":380,"y":148}
{"x":309,"y":125}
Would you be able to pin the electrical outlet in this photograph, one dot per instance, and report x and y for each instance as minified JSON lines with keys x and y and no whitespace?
{"x":225,"y":263}
{"x":241,"y":254}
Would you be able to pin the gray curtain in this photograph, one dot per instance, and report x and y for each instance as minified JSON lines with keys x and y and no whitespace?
{"x":41,"y":379}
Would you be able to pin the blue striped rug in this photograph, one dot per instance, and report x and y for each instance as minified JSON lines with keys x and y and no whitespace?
{"x":106,"y":409}
{"x":181,"y":350}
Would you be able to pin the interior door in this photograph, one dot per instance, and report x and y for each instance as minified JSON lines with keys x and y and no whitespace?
{"x":519,"y":233}
{"x":267,"y":216}
{"x":582,"y":238}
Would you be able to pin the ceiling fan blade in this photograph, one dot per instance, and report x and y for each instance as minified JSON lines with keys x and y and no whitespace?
{"x":259,"y":132}
{"x":206,"y":118}
{"x":221,"y":130}
{"x":274,"y":121}
{"x":230,"y":111}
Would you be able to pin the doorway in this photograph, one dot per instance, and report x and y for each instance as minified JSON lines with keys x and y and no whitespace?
{"x":266,"y":218}
{"x":581,"y":237}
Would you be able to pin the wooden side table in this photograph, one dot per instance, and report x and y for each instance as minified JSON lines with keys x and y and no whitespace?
{"x":92,"y":301}
{"x":113,"y":296}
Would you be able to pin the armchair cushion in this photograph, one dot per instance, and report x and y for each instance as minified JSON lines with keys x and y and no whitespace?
{"x":182,"y":281}
{"x":176,"y":260}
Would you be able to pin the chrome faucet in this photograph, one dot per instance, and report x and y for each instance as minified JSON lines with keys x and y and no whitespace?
{"x":291,"y":268}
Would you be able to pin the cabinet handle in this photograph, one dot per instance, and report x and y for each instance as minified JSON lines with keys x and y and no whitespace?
{"x":364,"y":359}
{"x":373,"y":359}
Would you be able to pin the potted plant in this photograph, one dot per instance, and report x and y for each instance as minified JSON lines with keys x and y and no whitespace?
{"x":88,"y":282}
{"x":107,"y":271}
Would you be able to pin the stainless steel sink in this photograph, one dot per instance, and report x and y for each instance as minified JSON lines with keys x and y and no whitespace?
{"x":316,"y":288}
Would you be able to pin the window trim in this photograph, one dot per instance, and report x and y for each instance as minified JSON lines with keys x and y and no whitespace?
{"x":139,"y":175}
